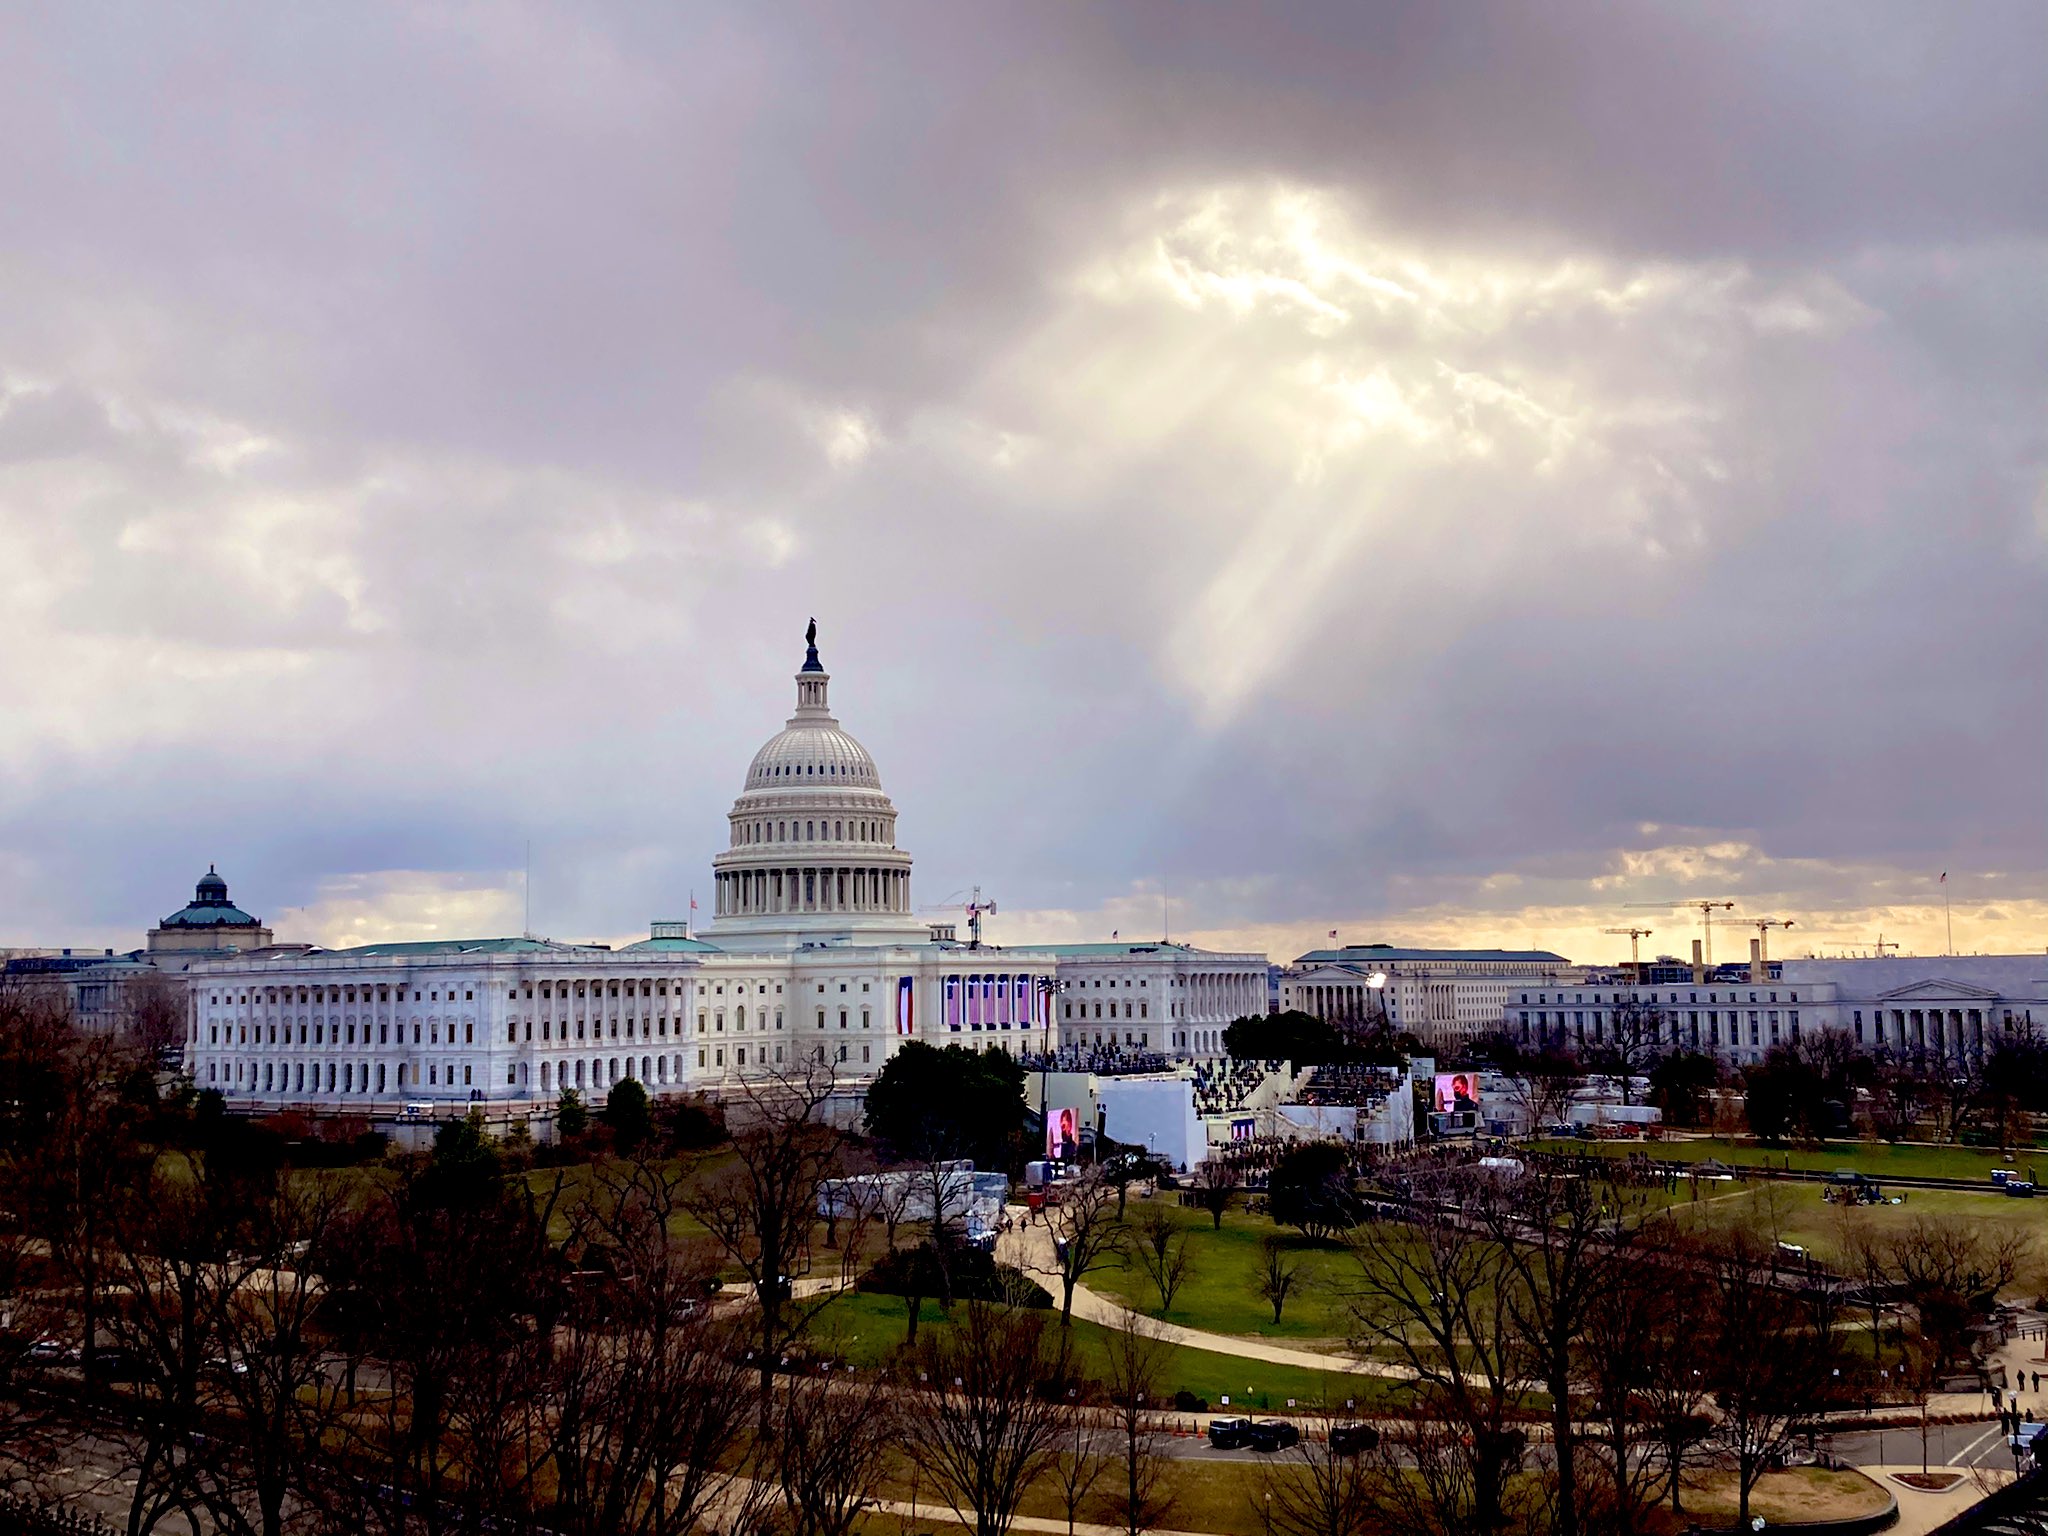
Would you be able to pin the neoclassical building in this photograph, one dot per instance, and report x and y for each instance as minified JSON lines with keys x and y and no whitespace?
{"x":813,"y":956}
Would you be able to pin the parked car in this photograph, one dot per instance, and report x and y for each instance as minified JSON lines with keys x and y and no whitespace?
{"x":1274,"y":1435}
{"x":1350,"y":1439}
{"x":1230,"y":1434}
{"x":111,"y":1362}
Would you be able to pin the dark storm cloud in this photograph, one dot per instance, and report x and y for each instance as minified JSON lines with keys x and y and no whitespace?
{"x":1320,"y":459}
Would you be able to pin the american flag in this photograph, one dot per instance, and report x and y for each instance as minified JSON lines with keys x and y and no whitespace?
{"x":1944,"y":877}
{"x":1333,"y":933}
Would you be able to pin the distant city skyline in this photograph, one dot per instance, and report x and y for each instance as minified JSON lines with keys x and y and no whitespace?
{"x":1438,"y":475}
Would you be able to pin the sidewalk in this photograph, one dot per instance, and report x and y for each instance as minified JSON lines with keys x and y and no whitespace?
{"x":1921,"y":1512}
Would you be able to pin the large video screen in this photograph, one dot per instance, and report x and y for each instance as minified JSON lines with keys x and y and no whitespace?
{"x":1063,"y":1133}
{"x":1456,"y":1091}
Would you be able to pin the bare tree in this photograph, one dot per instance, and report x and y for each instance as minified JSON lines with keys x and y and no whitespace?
{"x":1087,"y":1234}
{"x":1644,"y":1392}
{"x":1438,"y":1294}
{"x":1558,"y":1238}
{"x":1948,"y":1269}
{"x":454,"y":1293}
{"x":1318,"y":1490}
{"x":1543,"y":1084}
{"x":984,"y":1420}
{"x":1865,"y":1259}
{"x":1078,"y":1468}
{"x":1763,"y":1366}
{"x":648,"y":1394}
{"x":1278,"y":1274}
{"x":72,"y":1149}
{"x":1214,"y":1181}
{"x":178,"y":1252}
{"x":275,"y":1402}
{"x":1429,"y":1481}
{"x":1161,"y":1249}
{"x":759,"y":1206}
{"x":152,"y":1016}
{"x":1138,"y":1356}
{"x":37,"y":1114}
{"x":831,"y":1452}
{"x":1630,"y":1043}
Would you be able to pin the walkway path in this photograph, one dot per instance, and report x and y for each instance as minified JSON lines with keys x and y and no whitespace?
{"x":1029,"y":1247}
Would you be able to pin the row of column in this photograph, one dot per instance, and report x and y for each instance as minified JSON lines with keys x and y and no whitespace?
{"x":1216,"y":994}
{"x":1338,"y":1002}
{"x":835,"y":888}
{"x":1936,"y":1031}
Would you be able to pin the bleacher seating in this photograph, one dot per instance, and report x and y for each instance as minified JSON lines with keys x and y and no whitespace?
{"x":1222,"y":1086}
{"x":1110,"y":1060}
{"x":1363,"y":1086}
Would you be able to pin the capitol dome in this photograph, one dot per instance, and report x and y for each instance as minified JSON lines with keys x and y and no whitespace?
{"x":812,"y":855}
{"x":812,"y":753}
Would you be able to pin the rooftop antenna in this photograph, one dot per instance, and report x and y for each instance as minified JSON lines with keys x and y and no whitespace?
{"x":526,"y":888}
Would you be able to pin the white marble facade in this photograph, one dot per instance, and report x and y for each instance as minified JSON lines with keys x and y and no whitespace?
{"x":812,"y":954}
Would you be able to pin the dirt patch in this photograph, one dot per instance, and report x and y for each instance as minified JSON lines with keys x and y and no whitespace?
{"x":1799,"y":1495}
{"x":1928,"y":1482}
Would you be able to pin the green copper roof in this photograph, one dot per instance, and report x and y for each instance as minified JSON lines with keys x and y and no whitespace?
{"x":468,"y":947}
{"x":1077,"y":950}
{"x":209,"y":916}
{"x":672,"y":946}
{"x":1370,"y":954}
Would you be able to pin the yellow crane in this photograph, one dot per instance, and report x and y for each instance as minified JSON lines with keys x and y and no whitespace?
{"x":1763,"y":927}
{"x":1706,"y":910}
{"x":1635,"y":935}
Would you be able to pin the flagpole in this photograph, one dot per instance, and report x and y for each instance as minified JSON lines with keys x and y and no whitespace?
{"x":1948,"y":920}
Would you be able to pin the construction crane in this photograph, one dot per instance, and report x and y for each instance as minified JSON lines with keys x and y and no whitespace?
{"x":1706,"y":910}
{"x":974,"y":907}
{"x":1855,"y":948}
{"x":1763,"y":927}
{"x":1635,"y":936}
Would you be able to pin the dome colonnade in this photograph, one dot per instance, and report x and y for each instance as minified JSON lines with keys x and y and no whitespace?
{"x":812,"y":833}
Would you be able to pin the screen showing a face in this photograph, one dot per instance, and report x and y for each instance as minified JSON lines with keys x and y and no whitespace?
{"x":1062,"y":1133}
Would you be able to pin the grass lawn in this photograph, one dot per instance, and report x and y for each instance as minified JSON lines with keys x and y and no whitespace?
{"x":867,"y":1331}
{"x":1218,"y":1297}
{"x":1876,"y":1158}
{"x":1207,"y":1496}
{"x":1797,"y":1214}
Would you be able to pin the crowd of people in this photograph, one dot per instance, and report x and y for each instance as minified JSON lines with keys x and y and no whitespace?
{"x":1221,"y":1086}
{"x":1364,"y":1086}
{"x":1107,"y":1060}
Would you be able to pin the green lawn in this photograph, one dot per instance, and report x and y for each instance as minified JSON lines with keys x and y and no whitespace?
{"x":1879,"y":1159}
{"x":1218,"y":1295}
{"x":867,"y":1331}
{"x":1795,"y":1213}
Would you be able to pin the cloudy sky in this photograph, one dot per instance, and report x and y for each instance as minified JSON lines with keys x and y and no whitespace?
{"x":1438,"y":474}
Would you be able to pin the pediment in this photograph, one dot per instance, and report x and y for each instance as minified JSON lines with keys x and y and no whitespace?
{"x":1935,"y":989}
{"x":1333,"y":971}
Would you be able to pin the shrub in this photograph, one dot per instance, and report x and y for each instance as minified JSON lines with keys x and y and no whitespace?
{"x":976,"y":1277}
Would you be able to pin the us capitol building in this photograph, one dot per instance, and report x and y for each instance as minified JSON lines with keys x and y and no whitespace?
{"x":813,"y":957}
